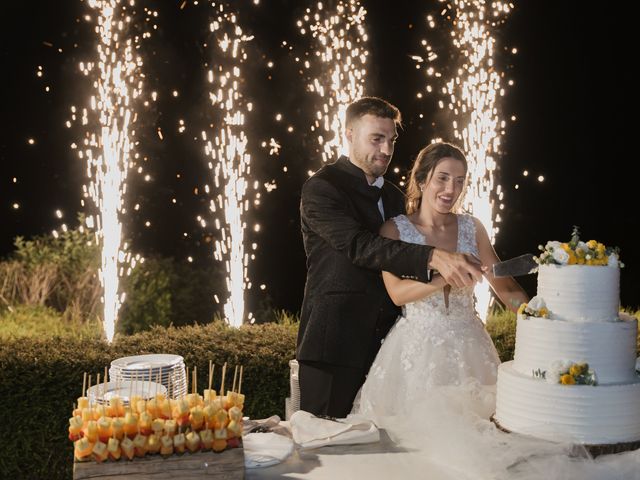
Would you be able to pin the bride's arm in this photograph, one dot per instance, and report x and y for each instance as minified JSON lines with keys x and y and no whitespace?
{"x":507,"y":289}
{"x":404,"y":290}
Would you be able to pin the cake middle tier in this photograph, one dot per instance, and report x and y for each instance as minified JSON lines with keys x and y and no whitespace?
{"x":609,"y":348}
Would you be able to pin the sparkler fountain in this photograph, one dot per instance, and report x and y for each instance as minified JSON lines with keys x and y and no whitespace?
{"x":341,"y":56}
{"x":472,"y":90}
{"x":229,"y":159}
{"x":108,"y":150}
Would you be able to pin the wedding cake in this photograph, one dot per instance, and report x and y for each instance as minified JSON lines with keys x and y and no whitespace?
{"x":573,"y":377}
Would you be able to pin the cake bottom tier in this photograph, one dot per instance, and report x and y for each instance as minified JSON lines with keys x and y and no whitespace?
{"x":604,"y":414}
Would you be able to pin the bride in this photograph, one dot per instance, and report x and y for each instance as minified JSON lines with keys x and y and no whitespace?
{"x":432,"y":384}
{"x":439,"y":341}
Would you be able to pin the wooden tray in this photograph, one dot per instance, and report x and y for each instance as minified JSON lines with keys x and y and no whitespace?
{"x":594,"y":450}
{"x":225,"y":465}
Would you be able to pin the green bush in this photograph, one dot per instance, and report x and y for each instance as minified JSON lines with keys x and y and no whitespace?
{"x":40,"y":379}
{"x":61,"y":272}
{"x":162,"y":291}
{"x":55,"y":271}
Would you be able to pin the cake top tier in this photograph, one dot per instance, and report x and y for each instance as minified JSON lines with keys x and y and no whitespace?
{"x":577,"y":252}
{"x":577,"y":282}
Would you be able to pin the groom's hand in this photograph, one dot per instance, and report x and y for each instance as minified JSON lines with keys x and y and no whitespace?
{"x":458,"y":269}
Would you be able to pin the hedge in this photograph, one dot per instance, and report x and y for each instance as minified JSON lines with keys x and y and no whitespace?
{"x":40,"y":379}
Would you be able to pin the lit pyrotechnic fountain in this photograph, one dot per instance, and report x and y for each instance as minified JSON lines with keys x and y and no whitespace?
{"x":470,"y":88}
{"x":229,"y":159}
{"x":340,"y":57}
{"x":107,"y":146}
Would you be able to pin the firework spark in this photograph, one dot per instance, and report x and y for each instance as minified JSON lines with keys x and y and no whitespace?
{"x":108,"y":147}
{"x":229,"y":159}
{"x":471,"y":91}
{"x":341,"y":57}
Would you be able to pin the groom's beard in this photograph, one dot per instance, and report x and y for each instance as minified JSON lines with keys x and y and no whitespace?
{"x":373,"y":165}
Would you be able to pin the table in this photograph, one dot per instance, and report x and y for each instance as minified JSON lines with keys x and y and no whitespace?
{"x":382,"y":460}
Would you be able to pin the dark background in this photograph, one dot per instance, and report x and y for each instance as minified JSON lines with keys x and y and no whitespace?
{"x":573,"y":98}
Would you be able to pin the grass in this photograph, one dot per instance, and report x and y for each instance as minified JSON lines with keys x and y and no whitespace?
{"x":501,"y":325}
{"x":41,"y":322}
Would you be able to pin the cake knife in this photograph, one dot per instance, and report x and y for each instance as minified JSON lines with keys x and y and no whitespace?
{"x":515,"y":267}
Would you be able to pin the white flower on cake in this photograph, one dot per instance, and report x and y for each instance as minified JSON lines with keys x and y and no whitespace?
{"x":552,"y":375}
{"x":560,"y":256}
{"x":582,"y":246}
{"x":613,"y":260}
{"x":535,"y":308}
{"x":537,"y":303}
{"x":552,"y":245}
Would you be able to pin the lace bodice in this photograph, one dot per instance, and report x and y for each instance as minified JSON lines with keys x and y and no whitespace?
{"x":461,"y":301}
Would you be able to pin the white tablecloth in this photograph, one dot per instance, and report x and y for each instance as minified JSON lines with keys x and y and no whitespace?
{"x":381,"y":460}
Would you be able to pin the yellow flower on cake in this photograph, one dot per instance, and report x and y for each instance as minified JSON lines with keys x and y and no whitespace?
{"x":577,"y":369}
{"x":592,"y":244}
{"x":522,"y":308}
{"x":567,"y":379}
{"x":571,"y":255}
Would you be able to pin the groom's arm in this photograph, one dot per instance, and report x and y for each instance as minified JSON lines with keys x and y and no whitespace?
{"x":323,"y":212}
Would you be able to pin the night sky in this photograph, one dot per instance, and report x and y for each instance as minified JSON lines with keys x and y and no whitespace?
{"x":573,"y":99}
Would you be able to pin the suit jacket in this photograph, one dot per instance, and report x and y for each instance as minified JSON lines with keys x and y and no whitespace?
{"x":346,"y":310}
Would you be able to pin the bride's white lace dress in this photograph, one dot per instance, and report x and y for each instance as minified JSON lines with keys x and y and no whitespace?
{"x":438,"y":343}
{"x":432,"y":389}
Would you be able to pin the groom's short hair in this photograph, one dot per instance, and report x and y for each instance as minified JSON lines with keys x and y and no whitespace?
{"x":372,"y":106}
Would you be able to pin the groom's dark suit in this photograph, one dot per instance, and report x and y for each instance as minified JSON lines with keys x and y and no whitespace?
{"x":346,"y":311}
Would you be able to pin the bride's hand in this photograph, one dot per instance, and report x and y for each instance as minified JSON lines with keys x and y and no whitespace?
{"x":457,"y":269}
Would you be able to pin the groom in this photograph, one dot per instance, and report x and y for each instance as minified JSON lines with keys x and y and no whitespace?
{"x":346,"y":311}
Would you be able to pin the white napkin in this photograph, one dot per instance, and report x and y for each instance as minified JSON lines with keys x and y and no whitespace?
{"x":264,"y":449}
{"x":310,"y":431}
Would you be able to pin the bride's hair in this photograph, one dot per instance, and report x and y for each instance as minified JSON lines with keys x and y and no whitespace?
{"x":424,"y":166}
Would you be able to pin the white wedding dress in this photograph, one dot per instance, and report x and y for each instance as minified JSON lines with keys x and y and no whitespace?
{"x":432,"y":389}
{"x":438,"y":342}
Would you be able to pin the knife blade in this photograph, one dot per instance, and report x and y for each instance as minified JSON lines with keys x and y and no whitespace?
{"x":515,"y":267}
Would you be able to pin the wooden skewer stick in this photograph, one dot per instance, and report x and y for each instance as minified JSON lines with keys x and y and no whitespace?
{"x":104,"y":389}
{"x":224,"y":373}
{"x":194,"y":386}
{"x":130,"y":394}
{"x":235,"y":377}
{"x":187,"y":390}
{"x":169,"y":392}
{"x":240,"y":384}
{"x":97,"y":388}
{"x":84,"y":384}
{"x":210,"y":373}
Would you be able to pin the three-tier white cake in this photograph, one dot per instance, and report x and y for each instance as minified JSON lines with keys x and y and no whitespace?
{"x":584,"y":340}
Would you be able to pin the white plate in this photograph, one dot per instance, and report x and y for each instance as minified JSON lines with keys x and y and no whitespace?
{"x":146,"y":390}
{"x":145,"y":362}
